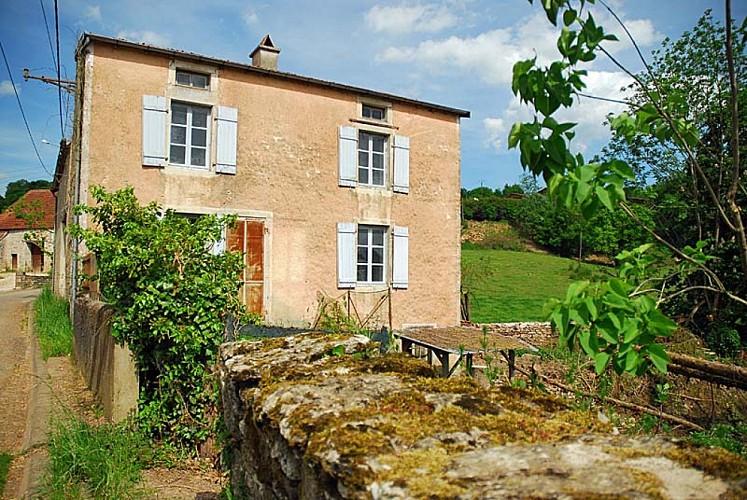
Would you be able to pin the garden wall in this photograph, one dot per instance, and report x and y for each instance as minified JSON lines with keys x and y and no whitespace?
{"x":107,"y":368}
{"x":325,"y":416}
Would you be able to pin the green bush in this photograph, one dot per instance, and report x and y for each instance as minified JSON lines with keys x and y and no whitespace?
{"x":52,"y":322}
{"x":724,"y":341}
{"x":5,"y":460}
{"x":173,"y":295}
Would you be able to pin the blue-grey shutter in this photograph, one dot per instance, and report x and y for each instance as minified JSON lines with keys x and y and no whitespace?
{"x":219,"y":247}
{"x":154,"y":130}
{"x":345,"y":255}
{"x":401,"y":182}
{"x":348,"y":140}
{"x":399,"y":262}
{"x":227,"y":118}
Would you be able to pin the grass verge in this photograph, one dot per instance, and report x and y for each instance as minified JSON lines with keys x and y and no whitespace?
{"x":514,"y":286}
{"x":52,"y":320}
{"x":5,"y":460}
{"x":87,"y":461}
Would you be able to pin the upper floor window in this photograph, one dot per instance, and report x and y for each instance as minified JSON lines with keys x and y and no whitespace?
{"x":373,"y":112}
{"x":189,"y":135}
{"x":372,"y":163}
{"x":190,"y":79}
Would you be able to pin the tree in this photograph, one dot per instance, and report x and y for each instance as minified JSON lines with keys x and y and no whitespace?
{"x":15,"y":190}
{"x":617,"y":322}
{"x":172,"y":293}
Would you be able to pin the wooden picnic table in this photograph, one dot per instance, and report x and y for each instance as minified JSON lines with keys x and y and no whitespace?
{"x":463,"y":342}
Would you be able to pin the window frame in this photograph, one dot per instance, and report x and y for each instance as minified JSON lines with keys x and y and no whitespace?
{"x":370,"y":154}
{"x":189,"y":128}
{"x":372,"y":107}
{"x":191,"y":74}
{"x":369,"y":245}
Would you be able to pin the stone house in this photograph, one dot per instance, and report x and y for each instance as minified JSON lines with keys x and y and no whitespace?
{"x":26,"y":233}
{"x":341,"y":192}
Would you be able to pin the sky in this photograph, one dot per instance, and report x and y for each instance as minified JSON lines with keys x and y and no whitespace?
{"x":456,"y":53}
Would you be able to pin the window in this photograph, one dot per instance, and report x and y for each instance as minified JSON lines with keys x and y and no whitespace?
{"x":371,"y":249}
{"x":369,"y":254}
{"x":189,"y":135}
{"x":373,"y":112}
{"x":371,"y":159}
{"x":364,"y":160}
{"x":185,"y":139}
{"x":189,"y":79}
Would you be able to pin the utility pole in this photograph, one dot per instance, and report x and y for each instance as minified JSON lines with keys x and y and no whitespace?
{"x":68,"y":85}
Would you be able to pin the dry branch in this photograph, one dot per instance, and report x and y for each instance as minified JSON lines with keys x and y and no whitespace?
{"x":710,"y":371}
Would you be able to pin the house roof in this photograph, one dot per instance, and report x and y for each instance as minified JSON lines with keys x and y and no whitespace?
{"x":87,"y":38}
{"x":43,"y":198}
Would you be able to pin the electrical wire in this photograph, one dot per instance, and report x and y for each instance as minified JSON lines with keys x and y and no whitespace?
{"x":49,"y":37}
{"x":23,"y":114}
{"x":59,"y":87}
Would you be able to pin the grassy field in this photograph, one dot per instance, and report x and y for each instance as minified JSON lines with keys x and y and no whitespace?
{"x":513,"y":286}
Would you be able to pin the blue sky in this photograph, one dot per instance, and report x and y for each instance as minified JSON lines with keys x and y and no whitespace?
{"x":457,"y":53}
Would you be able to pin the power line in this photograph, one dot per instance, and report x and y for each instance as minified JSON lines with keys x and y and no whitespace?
{"x":59,"y":89}
{"x":49,"y":37}
{"x":20,"y":106}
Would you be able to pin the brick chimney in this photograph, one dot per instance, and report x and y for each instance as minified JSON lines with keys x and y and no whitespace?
{"x":265,"y":55}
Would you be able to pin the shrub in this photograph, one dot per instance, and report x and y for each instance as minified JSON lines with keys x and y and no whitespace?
{"x":724,"y":341}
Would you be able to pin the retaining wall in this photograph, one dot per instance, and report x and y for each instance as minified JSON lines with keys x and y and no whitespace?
{"x":107,"y":368}
{"x":326,"y":417}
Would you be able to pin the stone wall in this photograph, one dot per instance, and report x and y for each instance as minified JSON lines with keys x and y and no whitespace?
{"x":32,"y":280}
{"x":107,"y":368}
{"x":325,"y":417}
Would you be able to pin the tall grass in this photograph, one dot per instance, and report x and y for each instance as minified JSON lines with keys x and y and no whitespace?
{"x":5,"y":460}
{"x":52,"y":320}
{"x":87,"y":461}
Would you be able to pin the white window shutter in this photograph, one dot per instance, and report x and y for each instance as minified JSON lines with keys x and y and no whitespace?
{"x":348,"y":140}
{"x":345,"y":255}
{"x":401,"y":164}
{"x":154,"y":130}
{"x":227,"y":118}
{"x":400,"y":261}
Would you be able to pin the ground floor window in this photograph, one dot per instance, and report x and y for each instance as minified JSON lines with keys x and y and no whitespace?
{"x":371,"y":252}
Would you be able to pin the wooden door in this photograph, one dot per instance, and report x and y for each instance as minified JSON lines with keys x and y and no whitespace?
{"x":37,"y":258}
{"x":248,"y":238}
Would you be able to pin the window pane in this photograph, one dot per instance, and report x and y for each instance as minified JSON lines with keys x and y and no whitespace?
{"x":363,"y":176}
{"x":378,"y":178}
{"x":178,"y":114}
{"x":199,"y":117}
{"x":199,"y":137}
{"x":177,"y":154}
{"x":362,"y":158}
{"x":178,"y":135}
{"x":378,"y":143}
{"x":198,"y":157}
{"x":377,"y":256}
{"x":362,"y":274}
{"x":378,"y":237}
{"x":362,"y":236}
{"x":364,"y":141}
{"x":362,"y":255}
{"x":200,"y":81}
{"x":377,"y":274}
{"x":378,"y":161}
{"x":182,"y":78}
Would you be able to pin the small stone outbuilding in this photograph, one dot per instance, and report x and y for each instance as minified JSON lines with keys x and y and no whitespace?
{"x":26,"y":233}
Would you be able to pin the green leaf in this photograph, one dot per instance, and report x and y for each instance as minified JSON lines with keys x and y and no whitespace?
{"x":601,"y":360}
{"x":569,"y":16}
{"x":514,"y":135}
{"x":658,"y":356}
{"x":604,"y":197}
{"x":618,"y":287}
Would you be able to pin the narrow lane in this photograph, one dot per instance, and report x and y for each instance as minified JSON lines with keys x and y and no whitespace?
{"x":15,"y":375}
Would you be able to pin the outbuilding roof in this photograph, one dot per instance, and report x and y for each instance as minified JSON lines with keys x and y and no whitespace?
{"x":41,"y":200}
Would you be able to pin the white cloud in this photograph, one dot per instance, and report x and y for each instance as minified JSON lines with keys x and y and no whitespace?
{"x":495,"y":132}
{"x":250,"y":17}
{"x":146,"y":36}
{"x":408,"y":18}
{"x":7,"y":88}
{"x":92,"y":12}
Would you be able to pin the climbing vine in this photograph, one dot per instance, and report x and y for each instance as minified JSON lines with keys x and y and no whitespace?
{"x":172,"y":290}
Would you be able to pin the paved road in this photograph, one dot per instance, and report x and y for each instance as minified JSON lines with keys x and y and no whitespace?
{"x":16,"y":355}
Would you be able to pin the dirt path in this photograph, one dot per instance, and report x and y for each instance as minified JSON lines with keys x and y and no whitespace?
{"x":15,"y":378}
